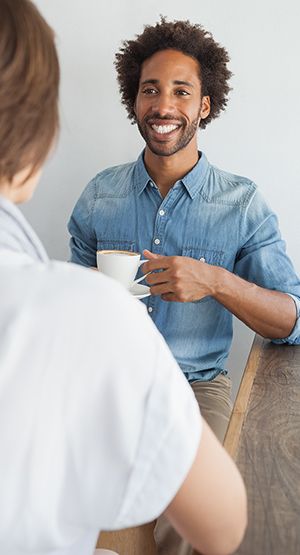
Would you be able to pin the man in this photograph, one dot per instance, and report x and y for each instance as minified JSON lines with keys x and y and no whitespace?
{"x":98,"y":428}
{"x":213,"y":244}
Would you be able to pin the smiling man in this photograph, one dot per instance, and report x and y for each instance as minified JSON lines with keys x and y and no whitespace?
{"x":166,"y":131}
{"x":213,"y":244}
{"x":168,"y":108}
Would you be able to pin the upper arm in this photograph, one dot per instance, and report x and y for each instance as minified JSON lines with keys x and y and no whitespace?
{"x":262,"y":256}
{"x":83,"y":242}
{"x":209,"y":509}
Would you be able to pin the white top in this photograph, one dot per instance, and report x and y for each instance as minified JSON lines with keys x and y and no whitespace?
{"x":98,"y":426}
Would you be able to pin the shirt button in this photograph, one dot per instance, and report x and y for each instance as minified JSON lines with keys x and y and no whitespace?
{"x":150,"y":309}
{"x":156,"y":241}
{"x":161,"y":212}
{"x":202,"y":259}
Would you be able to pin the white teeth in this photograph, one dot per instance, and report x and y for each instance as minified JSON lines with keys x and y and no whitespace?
{"x":164,"y":128}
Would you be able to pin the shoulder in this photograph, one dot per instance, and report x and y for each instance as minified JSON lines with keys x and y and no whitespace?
{"x":79,"y":311}
{"x":61,"y":286}
{"x":60,"y":290}
{"x":224,"y":187}
{"x":115,"y":181}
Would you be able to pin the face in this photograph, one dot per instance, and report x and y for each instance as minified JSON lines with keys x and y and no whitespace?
{"x":169,"y":103}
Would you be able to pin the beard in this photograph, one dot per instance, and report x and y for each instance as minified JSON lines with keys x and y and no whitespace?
{"x":185,"y":134}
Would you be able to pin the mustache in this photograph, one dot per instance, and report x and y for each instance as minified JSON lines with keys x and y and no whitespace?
{"x":167,"y":117}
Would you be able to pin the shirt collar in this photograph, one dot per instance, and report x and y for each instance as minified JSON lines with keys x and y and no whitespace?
{"x":193,"y":180}
{"x":142,"y":176}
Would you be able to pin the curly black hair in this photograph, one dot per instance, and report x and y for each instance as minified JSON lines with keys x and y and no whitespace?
{"x":187,"y":38}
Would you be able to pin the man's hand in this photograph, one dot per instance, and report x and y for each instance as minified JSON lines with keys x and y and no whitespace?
{"x":272,"y":314}
{"x":179,"y":278}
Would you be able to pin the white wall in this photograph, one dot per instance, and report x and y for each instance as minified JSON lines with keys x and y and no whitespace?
{"x":258,"y":136}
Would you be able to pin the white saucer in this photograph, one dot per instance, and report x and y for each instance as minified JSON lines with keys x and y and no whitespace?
{"x":140,"y":291}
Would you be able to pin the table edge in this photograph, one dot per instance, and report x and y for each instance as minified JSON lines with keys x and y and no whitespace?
{"x":239,"y":410}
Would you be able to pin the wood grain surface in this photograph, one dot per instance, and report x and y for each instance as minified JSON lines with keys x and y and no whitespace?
{"x":132,"y":541}
{"x":268,"y":454}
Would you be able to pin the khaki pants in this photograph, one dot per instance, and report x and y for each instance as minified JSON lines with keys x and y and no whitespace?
{"x":214,"y":400}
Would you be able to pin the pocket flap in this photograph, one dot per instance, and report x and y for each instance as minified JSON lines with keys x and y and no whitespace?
{"x":207,"y":255}
{"x":116,"y":245}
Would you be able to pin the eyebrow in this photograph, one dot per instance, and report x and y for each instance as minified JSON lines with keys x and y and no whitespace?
{"x":176,"y":82}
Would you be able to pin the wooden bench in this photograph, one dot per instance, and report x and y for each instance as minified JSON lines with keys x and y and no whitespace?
{"x":263,"y":437}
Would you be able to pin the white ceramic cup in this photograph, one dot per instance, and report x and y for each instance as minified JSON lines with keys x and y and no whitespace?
{"x":120,"y":265}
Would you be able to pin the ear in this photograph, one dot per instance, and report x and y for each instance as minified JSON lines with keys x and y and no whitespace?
{"x":205,"y":107}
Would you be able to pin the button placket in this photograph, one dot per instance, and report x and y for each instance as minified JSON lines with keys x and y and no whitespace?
{"x":151,"y":304}
{"x":162,"y":216}
{"x":158,"y":230}
{"x":160,"y":224}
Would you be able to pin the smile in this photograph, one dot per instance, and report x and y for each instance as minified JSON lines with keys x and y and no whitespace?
{"x":163,"y":129}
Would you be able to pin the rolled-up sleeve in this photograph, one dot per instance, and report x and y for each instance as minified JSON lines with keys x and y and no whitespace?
{"x":262,"y":258}
{"x":294,"y":337}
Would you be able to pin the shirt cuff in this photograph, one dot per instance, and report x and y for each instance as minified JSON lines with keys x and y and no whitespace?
{"x":294,"y":337}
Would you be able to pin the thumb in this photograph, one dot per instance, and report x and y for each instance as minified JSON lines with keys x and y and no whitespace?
{"x":151,"y":255}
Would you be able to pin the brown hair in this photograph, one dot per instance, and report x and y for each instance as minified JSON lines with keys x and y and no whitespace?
{"x":29,"y":80}
{"x":189,"y":39}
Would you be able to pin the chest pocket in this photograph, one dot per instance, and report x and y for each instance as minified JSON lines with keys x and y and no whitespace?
{"x":116,"y":245}
{"x":209,"y":256}
{"x":206,"y":255}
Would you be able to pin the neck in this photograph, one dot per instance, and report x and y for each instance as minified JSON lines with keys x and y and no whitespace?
{"x":166,"y":170}
{"x":6,"y":191}
{"x":21,"y":187}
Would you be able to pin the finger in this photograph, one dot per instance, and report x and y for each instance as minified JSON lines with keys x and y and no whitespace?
{"x":161,"y":289}
{"x":147,"y":266}
{"x":160,"y":263}
{"x":156,"y":278}
{"x":151,"y":255}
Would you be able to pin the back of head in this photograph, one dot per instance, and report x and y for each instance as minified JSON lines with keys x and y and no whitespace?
{"x":29,"y":80}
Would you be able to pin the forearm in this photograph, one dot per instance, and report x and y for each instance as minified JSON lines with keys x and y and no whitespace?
{"x":272,"y":314}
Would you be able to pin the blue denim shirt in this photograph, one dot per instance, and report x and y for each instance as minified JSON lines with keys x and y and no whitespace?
{"x":208,"y":214}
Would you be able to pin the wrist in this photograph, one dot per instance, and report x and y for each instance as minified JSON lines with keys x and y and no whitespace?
{"x":218,"y":281}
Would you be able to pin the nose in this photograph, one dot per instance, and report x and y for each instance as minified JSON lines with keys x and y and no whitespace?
{"x":163,"y":104}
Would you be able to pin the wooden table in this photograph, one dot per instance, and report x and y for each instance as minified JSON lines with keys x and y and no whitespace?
{"x":264,"y":438}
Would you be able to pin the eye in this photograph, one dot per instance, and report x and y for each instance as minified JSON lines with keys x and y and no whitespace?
{"x":182,"y":92}
{"x":149,"y":91}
